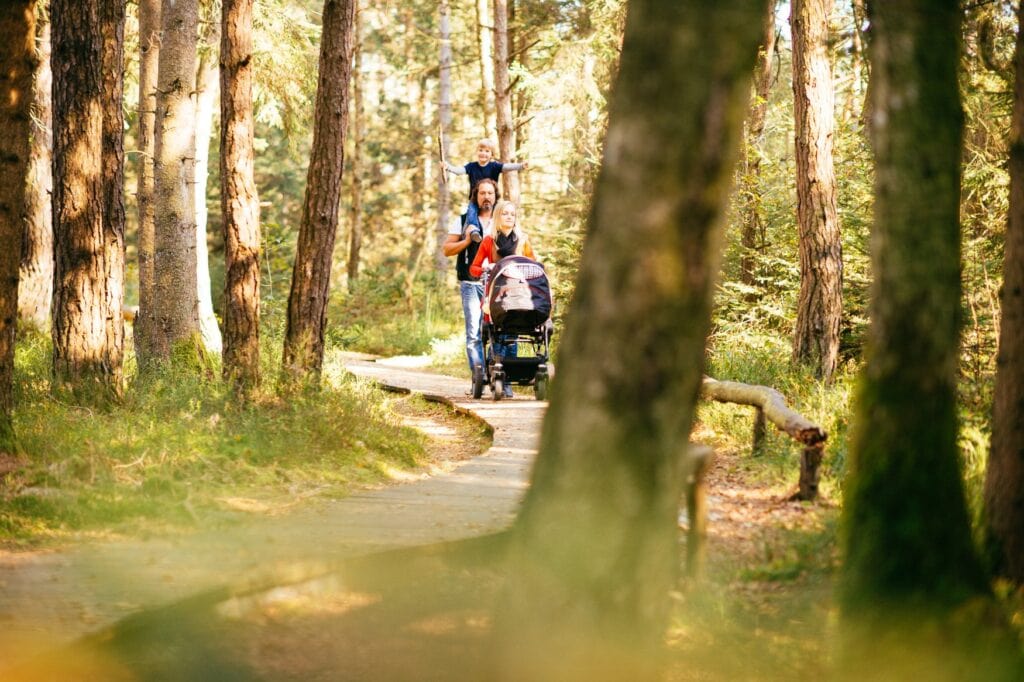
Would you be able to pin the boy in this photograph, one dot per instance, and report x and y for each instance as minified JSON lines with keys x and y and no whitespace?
{"x":483,"y":167}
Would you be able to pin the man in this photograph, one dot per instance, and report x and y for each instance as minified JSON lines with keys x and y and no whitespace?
{"x":463,"y":242}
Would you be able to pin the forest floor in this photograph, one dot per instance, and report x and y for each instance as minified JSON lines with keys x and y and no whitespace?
{"x":762,"y":609}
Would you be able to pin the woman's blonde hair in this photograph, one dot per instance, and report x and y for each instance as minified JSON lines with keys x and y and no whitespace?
{"x":496,"y":216}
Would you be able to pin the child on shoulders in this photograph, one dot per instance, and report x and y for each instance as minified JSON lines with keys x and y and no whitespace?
{"x":484,"y":167}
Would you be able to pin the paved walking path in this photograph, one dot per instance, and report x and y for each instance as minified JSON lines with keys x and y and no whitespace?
{"x":49,"y":598}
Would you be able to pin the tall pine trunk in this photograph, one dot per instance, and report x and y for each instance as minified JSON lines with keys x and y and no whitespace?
{"x":239,"y":202}
{"x":149,"y":54}
{"x":17,"y":63}
{"x":311,"y":276}
{"x":444,"y":124}
{"x":595,"y":549}
{"x":1004,"y":479}
{"x":88,"y":252}
{"x":820,"y":306}
{"x":503,"y":100}
{"x":907,"y":535}
{"x":175,"y":300}
{"x":35,"y":290}
{"x":752,"y":229}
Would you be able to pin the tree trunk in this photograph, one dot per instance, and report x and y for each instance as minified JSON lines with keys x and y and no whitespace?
{"x":17,"y":64}
{"x":444,"y":116}
{"x":503,"y":100}
{"x":208,"y":81}
{"x":307,"y":302}
{"x":88,"y":249}
{"x":819,"y":310}
{"x":143,"y":329}
{"x":112,"y":21}
{"x":486,"y":86}
{"x":355,"y":230}
{"x":239,"y":201}
{"x":1004,"y":479}
{"x":176,"y":304}
{"x":856,"y":93}
{"x":595,"y":549}
{"x":908,"y":541}
{"x":753,"y":222}
{"x":35,"y":290}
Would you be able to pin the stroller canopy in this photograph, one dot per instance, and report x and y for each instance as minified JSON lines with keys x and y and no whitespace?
{"x":519,"y":294}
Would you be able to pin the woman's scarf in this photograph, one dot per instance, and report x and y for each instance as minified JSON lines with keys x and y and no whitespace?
{"x":506,"y":243}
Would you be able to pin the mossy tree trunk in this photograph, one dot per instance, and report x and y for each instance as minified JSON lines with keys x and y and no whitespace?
{"x":149,"y":54}
{"x":35,"y":290}
{"x":820,"y":305}
{"x":906,"y":535}
{"x":1004,"y":479}
{"x":595,"y":549}
{"x":175,"y":298}
{"x":88,"y":241}
{"x":17,"y":64}
{"x":240,"y":206}
{"x":311,"y":276}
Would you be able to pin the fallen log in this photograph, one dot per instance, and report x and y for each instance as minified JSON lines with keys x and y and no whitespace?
{"x":770,"y":405}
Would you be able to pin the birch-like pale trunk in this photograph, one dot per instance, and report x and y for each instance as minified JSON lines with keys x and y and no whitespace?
{"x":208,"y":80}
{"x":503,"y":101}
{"x":444,"y":116}
{"x":175,"y":300}
{"x":149,"y":55}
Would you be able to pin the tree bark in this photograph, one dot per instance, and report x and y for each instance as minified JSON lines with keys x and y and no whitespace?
{"x":355,"y":229}
{"x":753,"y":222}
{"x":88,"y":250}
{"x":444,"y":124}
{"x":143,"y":329}
{"x":208,"y":83}
{"x":907,"y":540}
{"x":1004,"y":478}
{"x":112,"y":20}
{"x":307,"y":302}
{"x":503,"y":100}
{"x":595,"y":548}
{"x":820,"y":306}
{"x":175,"y":299}
{"x":239,"y":201}
{"x":17,"y":64}
{"x":35,"y":290}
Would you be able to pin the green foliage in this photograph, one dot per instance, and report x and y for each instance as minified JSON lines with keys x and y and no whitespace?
{"x":181,"y":449}
{"x":384,"y":316}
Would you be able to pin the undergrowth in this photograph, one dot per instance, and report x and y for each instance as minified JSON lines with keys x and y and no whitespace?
{"x":180,"y":450}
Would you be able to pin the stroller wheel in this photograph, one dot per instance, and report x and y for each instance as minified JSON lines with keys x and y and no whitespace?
{"x":478,"y":381}
{"x":499,"y":388}
{"x":540,"y":386}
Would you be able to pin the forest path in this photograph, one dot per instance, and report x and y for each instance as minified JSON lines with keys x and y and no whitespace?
{"x":54,"y":597}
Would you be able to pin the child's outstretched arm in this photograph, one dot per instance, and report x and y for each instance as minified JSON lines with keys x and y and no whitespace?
{"x":457,"y":170}
{"x":515,"y":166}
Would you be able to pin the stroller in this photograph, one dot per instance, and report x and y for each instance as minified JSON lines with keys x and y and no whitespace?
{"x":517,"y":315}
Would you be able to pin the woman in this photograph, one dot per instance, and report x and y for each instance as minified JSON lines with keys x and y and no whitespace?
{"x":506,"y":239}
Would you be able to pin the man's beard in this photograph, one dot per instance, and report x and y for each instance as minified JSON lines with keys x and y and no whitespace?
{"x":486,"y":206}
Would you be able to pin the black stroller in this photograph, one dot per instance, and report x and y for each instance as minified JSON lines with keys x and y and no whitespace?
{"x":517,"y":314}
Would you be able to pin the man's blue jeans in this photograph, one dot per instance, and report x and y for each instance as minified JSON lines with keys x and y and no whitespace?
{"x":472,"y":300}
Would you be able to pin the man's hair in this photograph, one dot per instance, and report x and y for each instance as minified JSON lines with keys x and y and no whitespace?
{"x":487,"y":142}
{"x":476,"y":190}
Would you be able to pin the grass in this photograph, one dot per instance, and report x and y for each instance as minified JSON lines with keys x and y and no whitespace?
{"x":180,"y":450}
